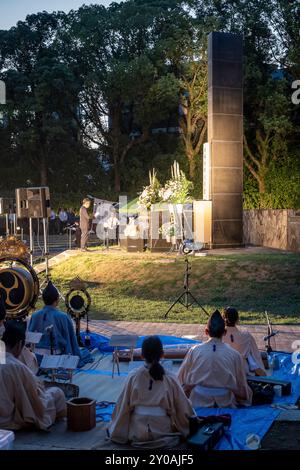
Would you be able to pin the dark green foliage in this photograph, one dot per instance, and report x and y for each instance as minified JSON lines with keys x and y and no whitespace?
{"x":86,"y":89}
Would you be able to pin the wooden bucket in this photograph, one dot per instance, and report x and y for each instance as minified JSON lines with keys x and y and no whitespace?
{"x":81,"y":414}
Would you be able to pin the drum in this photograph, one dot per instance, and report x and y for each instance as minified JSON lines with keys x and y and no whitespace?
{"x":19,"y":287}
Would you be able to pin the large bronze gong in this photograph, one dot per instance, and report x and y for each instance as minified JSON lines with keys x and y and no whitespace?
{"x":78,"y":303}
{"x":19,"y":286}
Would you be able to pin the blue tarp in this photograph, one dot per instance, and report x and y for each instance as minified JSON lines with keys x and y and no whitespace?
{"x":97,"y":341}
{"x":256,"y":419}
{"x":245,"y":421}
{"x":102,"y":342}
{"x":104,"y":411}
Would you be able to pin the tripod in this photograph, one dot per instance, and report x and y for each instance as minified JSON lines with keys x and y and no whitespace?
{"x":45,"y":249}
{"x":46,"y":254}
{"x":186,"y":298}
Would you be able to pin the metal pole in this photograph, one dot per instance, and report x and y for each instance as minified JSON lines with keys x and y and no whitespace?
{"x":31,"y":242}
{"x":7,"y":224}
{"x":46,"y":251}
{"x":15,"y":224}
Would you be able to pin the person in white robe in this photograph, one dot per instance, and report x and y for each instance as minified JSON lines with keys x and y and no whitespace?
{"x":24,"y":402}
{"x":243,"y":342}
{"x":27,"y":356}
{"x":152,"y":410}
{"x":212,"y":373}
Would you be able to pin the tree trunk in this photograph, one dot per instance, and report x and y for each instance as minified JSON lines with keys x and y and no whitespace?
{"x":192,"y":166}
{"x":115,"y":145}
{"x":261,"y":185}
{"x":117,"y":178}
{"x":44,"y":171}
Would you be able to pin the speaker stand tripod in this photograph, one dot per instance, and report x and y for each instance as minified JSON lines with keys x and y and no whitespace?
{"x":46,"y":246}
{"x":45,"y":242}
{"x":186,"y":298}
{"x":31,"y":241}
{"x":45,"y":250}
{"x":46,"y":256}
{"x":7,"y":224}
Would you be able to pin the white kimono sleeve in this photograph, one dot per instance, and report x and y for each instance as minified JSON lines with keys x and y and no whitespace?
{"x":243,"y":393}
{"x":119,"y":426}
{"x":182,"y":410}
{"x":185,"y":368}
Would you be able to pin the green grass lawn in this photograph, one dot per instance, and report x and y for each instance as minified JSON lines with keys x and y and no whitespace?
{"x":142,"y":287}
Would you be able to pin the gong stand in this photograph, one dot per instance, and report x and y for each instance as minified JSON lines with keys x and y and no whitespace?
{"x":78,"y":302}
{"x":77,"y":329}
{"x":77,"y":319}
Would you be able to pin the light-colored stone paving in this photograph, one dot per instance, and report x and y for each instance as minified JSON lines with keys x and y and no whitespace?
{"x":57,"y":259}
{"x":281,"y":342}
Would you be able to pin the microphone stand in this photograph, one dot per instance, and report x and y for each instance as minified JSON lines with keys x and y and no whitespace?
{"x":270,"y":335}
{"x":49,"y":330}
{"x":70,"y":230}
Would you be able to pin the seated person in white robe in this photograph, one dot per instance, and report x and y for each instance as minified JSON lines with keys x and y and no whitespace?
{"x":56,"y":326}
{"x":152,"y":410}
{"x":24,"y":402}
{"x":26,"y":356}
{"x":212,"y":373}
{"x":243,"y":342}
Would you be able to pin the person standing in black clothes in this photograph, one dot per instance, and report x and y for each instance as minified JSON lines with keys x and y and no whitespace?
{"x":84,"y":223}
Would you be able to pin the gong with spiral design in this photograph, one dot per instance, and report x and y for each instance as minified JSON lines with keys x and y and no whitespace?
{"x":19,"y":286}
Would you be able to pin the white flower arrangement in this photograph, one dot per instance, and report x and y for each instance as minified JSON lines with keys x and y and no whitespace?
{"x":177,"y":189}
{"x":169,"y":229}
{"x":150,"y":194}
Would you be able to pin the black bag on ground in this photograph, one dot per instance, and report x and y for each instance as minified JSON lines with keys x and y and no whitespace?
{"x":207,"y":436}
{"x":262,"y":394}
{"x":206,"y":431}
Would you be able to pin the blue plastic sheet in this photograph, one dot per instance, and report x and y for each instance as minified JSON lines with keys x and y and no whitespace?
{"x":96,"y":341}
{"x":102,"y":342}
{"x":245,"y":421}
{"x":256,"y":419}
{"x":104,"y":411}
{"x":168,"y":340}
